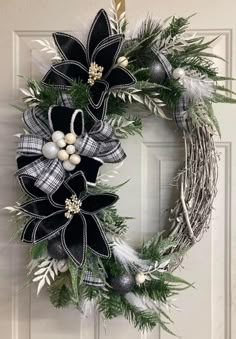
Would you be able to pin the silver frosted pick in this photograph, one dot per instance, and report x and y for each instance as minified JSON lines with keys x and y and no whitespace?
{"x":123,"y":284}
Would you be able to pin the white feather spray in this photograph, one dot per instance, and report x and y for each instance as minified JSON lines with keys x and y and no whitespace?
{"x":127,"y":256}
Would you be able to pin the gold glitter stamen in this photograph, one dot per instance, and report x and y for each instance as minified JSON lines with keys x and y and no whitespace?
{"x":95,"y":73}
{"x":72,"y":206}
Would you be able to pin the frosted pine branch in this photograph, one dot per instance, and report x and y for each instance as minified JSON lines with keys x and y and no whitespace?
{"x":48,"y":48}
{"x":47,"y":270}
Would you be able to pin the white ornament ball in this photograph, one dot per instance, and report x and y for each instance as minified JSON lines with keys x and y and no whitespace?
{"x":50,"y":150}
{"x":75,"y":159}
{"x":70,"y":149}
{"x":178,"y":73}
{"x":70,"y":138}
{"x":61,"y":143}
{"x":62,"y":155}
{"x":57,"y":135}
{"x":62,"y":266}
{"x":140,"y":278}
{"x":68,"y":166}
{"x":122,"y":61}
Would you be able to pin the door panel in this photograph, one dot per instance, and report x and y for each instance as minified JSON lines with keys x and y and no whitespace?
{"x":206,"y":311}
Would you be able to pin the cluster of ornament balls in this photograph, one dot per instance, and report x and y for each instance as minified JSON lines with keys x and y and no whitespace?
{"x":123,"y":283}
{"x":62,"y":147}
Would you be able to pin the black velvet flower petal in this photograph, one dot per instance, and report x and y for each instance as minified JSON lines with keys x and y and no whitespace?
{"x":93,"y":203}
{"x":106,"y":54}
{"x":120,"y":77}
{"x":26,"y":160}
{"x":77,"y":183}
{"x":70,"y":48}
{"x":27,"y":184}
{"x":99,"y":30}
{"x":49,"y":226}
{"x":65,"y":119}
{"x":89,"y":167}
{"x":59,"y":197}
{"x":98,"y":113}
{"x":38,"y":208}
{"x":96,"y":239}
{"x":27,"y":233}
{"x":97,"y":93}
{"x":62,"y":74}
{"x":74,"y":239}
{"x":56,"y":79}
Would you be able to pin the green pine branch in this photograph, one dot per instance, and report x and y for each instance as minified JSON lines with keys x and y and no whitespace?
{"x":59,"y":293}
{"x":125,"y":126}
{"x":39,"y":250}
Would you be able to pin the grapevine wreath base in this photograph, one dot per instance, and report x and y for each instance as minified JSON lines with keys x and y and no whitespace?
{"x":74,"y":120}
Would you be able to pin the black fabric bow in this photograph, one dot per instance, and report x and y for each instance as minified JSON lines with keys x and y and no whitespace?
{"x":78,"y":231}
{"x":102,"y":48}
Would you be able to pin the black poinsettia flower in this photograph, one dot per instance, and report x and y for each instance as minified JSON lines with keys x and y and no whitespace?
{"x":95,"y":64}
{"x":70,"y":211}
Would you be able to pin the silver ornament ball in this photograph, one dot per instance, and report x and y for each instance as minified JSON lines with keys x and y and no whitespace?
{"x":68,"y":166}
{"x":55,"y":249}
{"x":140,"y":278}
{"x":50,"y":150}
{"x":61,"y":143}
{"x":178,"y":73}
{"x":123,"y":283}
{"x":57,"y":135}
{"x":70,"y":149}
{"x":62,"y":266}
{"x":157,"y":72}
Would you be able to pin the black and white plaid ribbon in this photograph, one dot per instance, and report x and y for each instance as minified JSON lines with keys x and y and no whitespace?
{"x":99,"y":143}
{"x":49,"y":173}
{"x":30,"y":144}
{"x":180,"y":113}
{"x":65,"y":100}
{"x":90,"y":279}
{"x":36,"y":121}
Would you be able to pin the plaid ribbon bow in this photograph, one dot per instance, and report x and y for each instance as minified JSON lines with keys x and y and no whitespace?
{"x":180,"y":113}
{"x":98,"y":144}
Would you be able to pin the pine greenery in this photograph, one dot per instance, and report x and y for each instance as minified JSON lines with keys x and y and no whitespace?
{"x":59,"y":293}
{"x":79,"y":94}
{"x":38,"y":250}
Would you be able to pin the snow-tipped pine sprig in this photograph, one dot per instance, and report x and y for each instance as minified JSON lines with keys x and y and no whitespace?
{"x":154,"y":104}
{"x":48,"y":48}
{"x":152,"y":101}
{"x":31,"y":96}
{"x":118,"y":21}
{"x":124,"y":127}
{"x":171,"y":45}
{"x":47,"y":270}
{"x":105,"y":177}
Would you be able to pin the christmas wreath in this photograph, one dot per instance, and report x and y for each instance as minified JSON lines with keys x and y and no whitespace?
{"x":74,"y":120}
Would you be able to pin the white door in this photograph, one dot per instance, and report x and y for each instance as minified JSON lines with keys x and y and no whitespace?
{"x":207,"y":312}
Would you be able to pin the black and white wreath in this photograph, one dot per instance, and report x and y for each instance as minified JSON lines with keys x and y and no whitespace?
{"x":74,"y":120}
